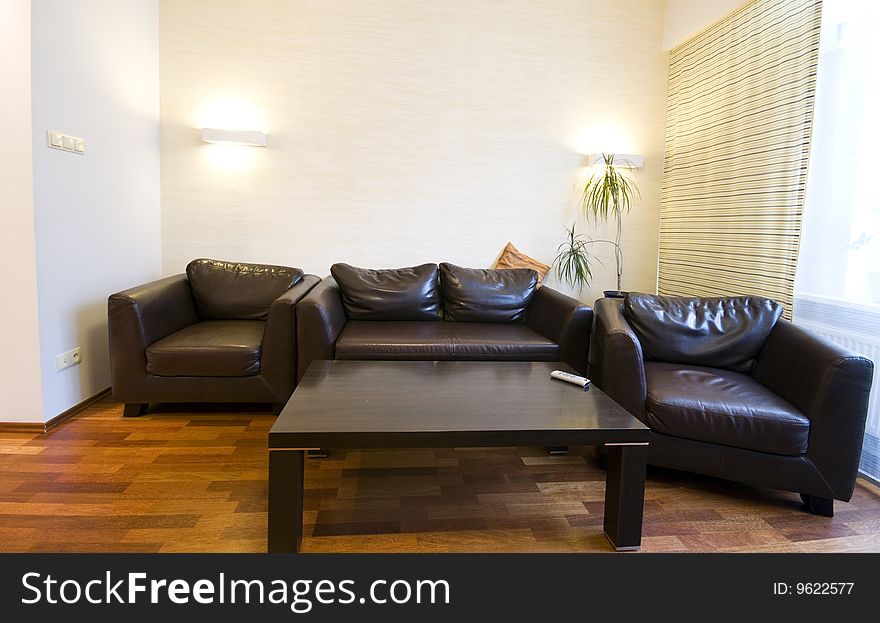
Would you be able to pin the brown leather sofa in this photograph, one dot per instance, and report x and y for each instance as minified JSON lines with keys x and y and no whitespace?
{"x":223,"y":332}
{"x":731,"y":390}
{"x":444,"y":312}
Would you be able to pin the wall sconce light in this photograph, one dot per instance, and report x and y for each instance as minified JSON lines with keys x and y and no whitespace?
{"x":251,"y":138}
{"x":633,"y":160}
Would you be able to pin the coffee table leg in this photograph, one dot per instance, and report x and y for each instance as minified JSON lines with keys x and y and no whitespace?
{"x":285,"y":500}
{"x":625,"y":494}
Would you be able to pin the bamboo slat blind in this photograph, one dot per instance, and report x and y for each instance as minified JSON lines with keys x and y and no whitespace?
{"x":737,"y":144}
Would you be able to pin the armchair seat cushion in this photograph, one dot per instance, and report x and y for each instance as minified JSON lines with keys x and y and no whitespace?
{"x":721,"y":406}
{"x":438,"y":340}
{"x":210,"y":348}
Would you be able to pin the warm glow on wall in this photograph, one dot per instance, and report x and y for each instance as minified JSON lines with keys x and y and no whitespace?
{"x":606,"y":137}
{"x":230,"y":158}
{"x":230,"y":114}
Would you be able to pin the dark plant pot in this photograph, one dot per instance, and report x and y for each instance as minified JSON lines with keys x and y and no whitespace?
{"x":615,"y":294}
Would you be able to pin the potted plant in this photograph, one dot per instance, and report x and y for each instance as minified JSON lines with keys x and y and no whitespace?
{"x":607,"y":195}
{"x":572,"y":260}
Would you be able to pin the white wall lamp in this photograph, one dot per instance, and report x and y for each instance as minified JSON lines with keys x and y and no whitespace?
{"x":633,"y":160}
{"x":251,"y":138}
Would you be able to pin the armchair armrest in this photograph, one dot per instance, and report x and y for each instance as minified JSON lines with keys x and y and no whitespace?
{"x":831,"y":386}
{"x":278,"y":356}
{"x":138,"y":317}
{"x":617,"y":366}
{"x":320,"y":318}
{"x":565,"y":321}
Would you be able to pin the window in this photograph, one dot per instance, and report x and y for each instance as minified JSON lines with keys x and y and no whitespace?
{"x":837,"y":290}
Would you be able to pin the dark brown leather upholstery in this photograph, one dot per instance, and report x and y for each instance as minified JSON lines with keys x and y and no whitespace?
{"x":724,"y":407}
{"x":148,"y":317}
{"x":210,"y":348}
{"x":486,"y":295}
{"x":558,"y":329}
{"x":811,"y":441}
{"x":437,"y":341}
{"x":412,"y":340}
{"x":236,"y":291}
{"x":390,"y":294}
{"x":320,"y":319}
{"x":483,"y":341}
{"x":563,"y":320}
{"x":831,"y":385}
{"x":716,"y":332}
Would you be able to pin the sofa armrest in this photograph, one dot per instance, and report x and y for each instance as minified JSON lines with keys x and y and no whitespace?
{"x":564,"y":320}
{"x":279,"y":349}
{"x":831,"y":386}
{"x":138,"y":317}
{"x":617,"y":366}
{"x":320,"y":319}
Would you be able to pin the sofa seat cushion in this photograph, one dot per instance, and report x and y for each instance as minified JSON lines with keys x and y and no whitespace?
{"x":390,"y":339}
{"x":210,"y":348}
{"x":436,"y":340}
{"x":724,"y":407}
{"x":500,"y":342}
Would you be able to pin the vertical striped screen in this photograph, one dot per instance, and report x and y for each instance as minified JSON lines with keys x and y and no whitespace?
{"x":737,"y":144}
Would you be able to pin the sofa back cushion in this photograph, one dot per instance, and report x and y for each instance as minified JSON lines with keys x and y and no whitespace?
{"x":487,"y":295}
{"x":237,"y":291}
{"x":716,"y":332}
{"x":389,"y":294}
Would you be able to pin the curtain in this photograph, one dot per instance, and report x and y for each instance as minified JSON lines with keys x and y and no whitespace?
{"x":739,"y":120}
{"x":837,"y":290}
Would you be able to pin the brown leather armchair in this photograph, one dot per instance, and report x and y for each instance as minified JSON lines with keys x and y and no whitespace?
{"x":731,"y":390}
{"x":223,"y":332}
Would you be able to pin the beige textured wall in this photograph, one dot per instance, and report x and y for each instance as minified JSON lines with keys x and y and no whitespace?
{"x":685,"y":18}
{"x":405,"y":131}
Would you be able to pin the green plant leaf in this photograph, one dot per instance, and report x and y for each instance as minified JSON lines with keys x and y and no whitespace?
{"x":609,"y":195}
{"x":572,"y":261}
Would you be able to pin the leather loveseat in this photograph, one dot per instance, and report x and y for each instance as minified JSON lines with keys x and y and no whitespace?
{"x":223,"y":332}
{"x":444,"y":312}
{"x":729,"y":389}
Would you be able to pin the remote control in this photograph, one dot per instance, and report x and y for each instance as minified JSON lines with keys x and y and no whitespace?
{"x":568,"y":377}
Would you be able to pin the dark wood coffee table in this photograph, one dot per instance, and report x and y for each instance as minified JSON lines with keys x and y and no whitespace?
{"x":439,"y":404}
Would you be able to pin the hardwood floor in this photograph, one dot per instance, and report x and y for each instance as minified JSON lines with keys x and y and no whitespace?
{"x":194,"y":480}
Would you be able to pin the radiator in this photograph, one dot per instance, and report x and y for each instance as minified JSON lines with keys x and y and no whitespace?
{"x":856,"y":328}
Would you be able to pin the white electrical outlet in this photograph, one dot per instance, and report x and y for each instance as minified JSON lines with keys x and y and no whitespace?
{"x":68,"y":359}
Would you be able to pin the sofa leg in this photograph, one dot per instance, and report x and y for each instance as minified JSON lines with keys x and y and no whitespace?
{"x":557,"y":450}
{"x":317,"y":454}
{"x":134,"y":409}
{"x":818,"y":506}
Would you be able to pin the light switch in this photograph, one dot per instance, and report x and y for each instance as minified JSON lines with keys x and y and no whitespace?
{"x":73,"y":144}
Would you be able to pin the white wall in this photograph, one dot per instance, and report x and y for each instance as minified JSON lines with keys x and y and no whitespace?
{"x":403,"y":132}
{"x":685,"y":18}
{"x":20,"y":368}
{"x":95,"y":75}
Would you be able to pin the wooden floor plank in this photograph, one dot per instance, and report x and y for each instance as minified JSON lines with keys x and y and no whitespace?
{"x":193,"y":479}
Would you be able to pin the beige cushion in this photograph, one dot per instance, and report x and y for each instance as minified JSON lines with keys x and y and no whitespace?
{"x":511,"y":257}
